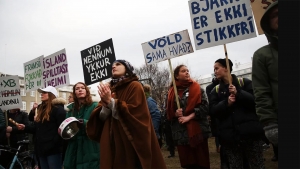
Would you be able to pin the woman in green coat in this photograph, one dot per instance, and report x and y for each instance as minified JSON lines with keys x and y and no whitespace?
{"x":81,"y":153}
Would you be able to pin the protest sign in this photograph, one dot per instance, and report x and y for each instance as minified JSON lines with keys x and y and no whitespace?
{"x":55,"y":71}
{"x":217,"y":22}
{"x":97,"y":62}
{"x":259,"y":7}
{"x":33,"y":70}
{"x":167,"y":47}
{"x":10,"y":97}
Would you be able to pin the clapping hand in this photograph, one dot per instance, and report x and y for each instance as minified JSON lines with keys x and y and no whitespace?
{"x":105,"y":93}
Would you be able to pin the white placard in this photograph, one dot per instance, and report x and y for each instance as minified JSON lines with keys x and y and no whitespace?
{"x":33,"y":71}
{"x":56,"y":72}
{"x":167,"y":47}
{"x":10,"y":95}
{"x":217,"y":22}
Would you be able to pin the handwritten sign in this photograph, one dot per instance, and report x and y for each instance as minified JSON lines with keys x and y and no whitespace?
{"x":97,"y":62}
{"x":10,"y":96}
{"x":217,"y":22}
{"x":259,"y":7}
{"x":55,"y":71}
{"x":167,"y":47}
{"x":33,"y":71}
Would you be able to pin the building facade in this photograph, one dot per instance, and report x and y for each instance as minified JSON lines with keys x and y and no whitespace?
{"x":29,"y":98}
{"x":240,"y":70}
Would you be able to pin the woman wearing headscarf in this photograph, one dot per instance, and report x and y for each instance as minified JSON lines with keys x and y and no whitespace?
{"x":189,"y":123}
{"x":122,"y":123}
{"x":81,"y":153}
{"x":47,"y":141}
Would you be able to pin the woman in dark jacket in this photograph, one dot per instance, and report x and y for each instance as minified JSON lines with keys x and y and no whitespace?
{"x":50,"y":114}
{"x":240,"y":131}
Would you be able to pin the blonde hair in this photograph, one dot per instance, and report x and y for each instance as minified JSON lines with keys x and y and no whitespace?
{"x":147,"y":88}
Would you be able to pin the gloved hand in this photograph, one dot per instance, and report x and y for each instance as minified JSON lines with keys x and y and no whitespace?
{"x":271,"y":132}
{"x":80,"y":123}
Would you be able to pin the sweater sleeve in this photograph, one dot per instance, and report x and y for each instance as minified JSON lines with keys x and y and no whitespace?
{"x":262,"y":90}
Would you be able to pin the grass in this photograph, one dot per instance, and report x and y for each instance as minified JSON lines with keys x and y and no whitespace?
{"x":215,"y":157}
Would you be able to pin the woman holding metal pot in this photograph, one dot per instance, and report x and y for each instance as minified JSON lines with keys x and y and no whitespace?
{"x":81,"y":153}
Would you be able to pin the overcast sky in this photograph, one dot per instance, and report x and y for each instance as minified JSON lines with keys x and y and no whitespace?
{"x":30,"y":29}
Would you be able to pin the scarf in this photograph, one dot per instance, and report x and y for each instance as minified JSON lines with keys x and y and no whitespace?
{"x":193,"y":127}
{"x":116,"y":80}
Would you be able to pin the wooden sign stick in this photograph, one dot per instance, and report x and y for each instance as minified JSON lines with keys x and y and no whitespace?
{"x":174,"y":84}
{"x":13,"y":122}
{"x":227,"y":65}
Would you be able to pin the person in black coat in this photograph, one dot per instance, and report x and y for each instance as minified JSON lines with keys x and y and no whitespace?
{"x":213,"y":124}
{"x":14,"y":134}
{"x":47,"y":142}
{"x":240,"y":131}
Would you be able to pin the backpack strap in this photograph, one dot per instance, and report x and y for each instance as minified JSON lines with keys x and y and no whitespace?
{"x":217,"y":90}
{"x":241,"y":82}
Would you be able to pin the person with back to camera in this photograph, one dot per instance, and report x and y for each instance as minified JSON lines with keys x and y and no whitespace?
{"x":122,"y":123}
{"x":81,"y":152}
{"x":154,"y":112}
{"x":189,"y":123}
{"x":47,"y":141}
{"x":240,"y":131}
{"x":265,"y":77}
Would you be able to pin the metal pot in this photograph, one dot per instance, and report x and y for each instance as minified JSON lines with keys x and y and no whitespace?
{"x":68,"y":128}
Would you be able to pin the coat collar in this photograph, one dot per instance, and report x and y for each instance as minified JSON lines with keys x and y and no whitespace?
{"x":59,"y":100}
{"x":124,"y":82}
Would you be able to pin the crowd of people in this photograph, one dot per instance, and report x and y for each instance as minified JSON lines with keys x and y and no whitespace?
{"x":126,"y":129}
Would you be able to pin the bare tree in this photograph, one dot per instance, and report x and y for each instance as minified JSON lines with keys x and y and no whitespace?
{"x":157,"y":78}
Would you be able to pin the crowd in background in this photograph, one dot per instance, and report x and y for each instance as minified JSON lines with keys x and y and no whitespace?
{"x":126,"y":127}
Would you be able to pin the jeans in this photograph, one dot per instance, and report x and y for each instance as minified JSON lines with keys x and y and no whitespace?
{"x":51,"y":161}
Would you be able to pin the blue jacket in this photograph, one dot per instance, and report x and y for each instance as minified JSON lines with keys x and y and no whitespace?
{"x":155,"y":115}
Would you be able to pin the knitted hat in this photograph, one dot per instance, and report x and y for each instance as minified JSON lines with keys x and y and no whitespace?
{"x":128,"y":66}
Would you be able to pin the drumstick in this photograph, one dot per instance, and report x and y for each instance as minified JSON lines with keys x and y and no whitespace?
{"x":13,"y":122}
